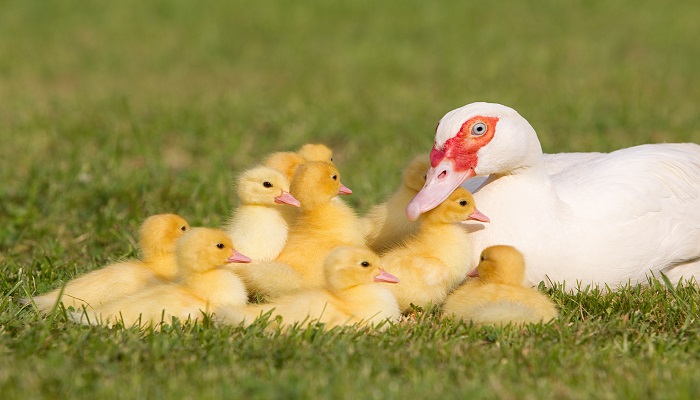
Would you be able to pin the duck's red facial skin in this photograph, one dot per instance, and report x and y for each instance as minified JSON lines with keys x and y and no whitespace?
{"x":452,"y":164}
{"x":462,"y":147}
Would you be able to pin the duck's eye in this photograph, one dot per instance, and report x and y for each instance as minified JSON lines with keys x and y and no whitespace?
{"x":335,"y":177}
{"x":463,"y":203}
{"x":220,"y":245}
{"x":425,"y":177}
{"x":483,"y":258}
{"x":183,"y":228}
{"x":365,"y":264}
{"x":331,"y":159}
{"x":478,"y":129}
{"x":267,"y":184}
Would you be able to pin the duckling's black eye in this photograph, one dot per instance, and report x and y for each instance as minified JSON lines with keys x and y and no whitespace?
{"x":183,"y":228}
{"x":365,"y":264}
{"x":335,"y":177}
{"x":331,"y":159}
{"x":478,"y":129}
{"x":463,"y":203}
{"x":483,"y":258}
{"x":220,"y":245}
{"x":267,"y":184}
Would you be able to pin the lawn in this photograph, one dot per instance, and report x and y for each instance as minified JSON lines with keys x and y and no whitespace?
{"x":113,"y":111}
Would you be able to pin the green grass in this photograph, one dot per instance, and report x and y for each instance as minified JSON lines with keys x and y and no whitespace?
{"x":110,"y":112}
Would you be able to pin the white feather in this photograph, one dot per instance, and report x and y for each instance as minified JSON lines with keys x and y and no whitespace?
{"x":594,"y":218}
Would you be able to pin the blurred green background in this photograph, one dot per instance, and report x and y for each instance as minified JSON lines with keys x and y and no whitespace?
{"x":113,"y":111}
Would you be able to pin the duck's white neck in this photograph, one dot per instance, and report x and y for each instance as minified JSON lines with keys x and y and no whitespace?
{"x":519,"y":203}
{"x":533,"y":169}
{"x":530,"y":181}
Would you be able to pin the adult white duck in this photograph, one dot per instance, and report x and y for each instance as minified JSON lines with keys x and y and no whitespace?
{"x":600,"y":218}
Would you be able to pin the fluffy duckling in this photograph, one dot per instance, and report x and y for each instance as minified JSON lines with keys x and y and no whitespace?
{"x":202,"y":256}
{"x":350,"y":296}
{"x":322,"y":225}
{"x":269,"y":278}
{"x":288,"y":161}
{"x":385,"y":225}
{"x":157,"y":237}
{"x":258,"y":226}
{"x":316,"y":152}
{"x":434,"y":261}
{"x":497,"y":294}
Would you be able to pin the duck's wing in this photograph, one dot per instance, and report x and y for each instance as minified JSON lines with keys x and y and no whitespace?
{"x":649,"y":196}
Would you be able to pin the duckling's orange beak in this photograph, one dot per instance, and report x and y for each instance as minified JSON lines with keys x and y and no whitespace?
{"x":238,"y":258}
{"x":474,"y":273}
{"x":385,"y":277}
{"x":287,"y":198}
{"x":344,"y":189}
{"x":478,"y":216}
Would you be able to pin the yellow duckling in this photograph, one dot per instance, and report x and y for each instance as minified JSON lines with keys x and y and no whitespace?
{"x":206,"y":282}
{"x":288,"y":161}
{"x":316,"y":152}
{"x":497,"y":294}
{"x":435,"y":260}
{"x":258,"y":226}
{"x":269,"y":278}
{"x":350,"y":296}
{"x":385,"y":225}
{"x":157,"y":237}
{"x":323,"y":224}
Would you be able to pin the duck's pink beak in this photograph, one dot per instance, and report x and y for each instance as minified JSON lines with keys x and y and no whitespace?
{"x":478,"y":216}
{"x":238,"y":258}
{"x":344,"y":189}
{"x":440,"y":182}
{"x":385,"y":277}
{"x":287,"y":198}
{"x":474,"y":273}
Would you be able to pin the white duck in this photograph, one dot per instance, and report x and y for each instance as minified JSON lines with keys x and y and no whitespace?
{"x":606,"y":218}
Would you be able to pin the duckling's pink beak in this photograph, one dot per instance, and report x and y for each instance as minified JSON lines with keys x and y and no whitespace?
{"x":238,"y":258}
{"x":478,"y":216}
{"x":385,"y":277}
{"x":344,"y":189}
{"x":287,"y":198}
{"x":474,"y":273}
